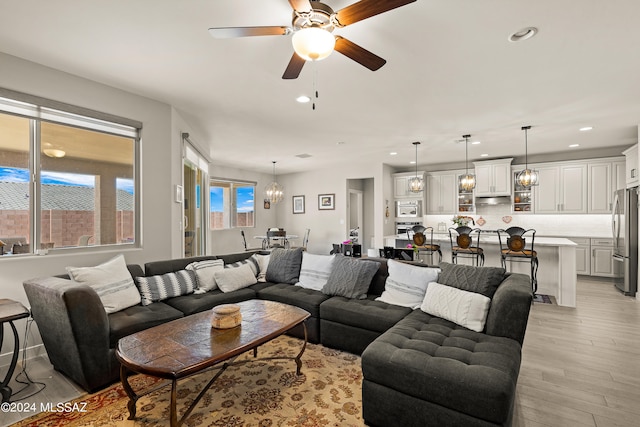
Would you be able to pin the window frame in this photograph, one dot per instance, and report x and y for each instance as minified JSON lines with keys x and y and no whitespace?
{"x":38,"y":110}
{"x":231,"y":208}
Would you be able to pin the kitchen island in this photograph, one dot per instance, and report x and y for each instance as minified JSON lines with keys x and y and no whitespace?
{"x":556,"y":255}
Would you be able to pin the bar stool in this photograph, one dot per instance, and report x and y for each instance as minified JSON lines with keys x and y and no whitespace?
{"x":515,"y":248}
{"x":464,"y":247}
{"x":422,"y":237}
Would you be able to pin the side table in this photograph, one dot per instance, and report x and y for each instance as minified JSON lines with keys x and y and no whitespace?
{"x":9,"y":311}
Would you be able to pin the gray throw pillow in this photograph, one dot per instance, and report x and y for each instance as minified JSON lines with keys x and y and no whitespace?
{"x":161,"y":287}
{"x":481,"y":280}
{"x":284,"y":266}
{"x":350,"y":277}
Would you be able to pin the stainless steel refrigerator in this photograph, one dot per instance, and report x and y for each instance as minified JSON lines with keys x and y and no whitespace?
{"x":624,"y":223}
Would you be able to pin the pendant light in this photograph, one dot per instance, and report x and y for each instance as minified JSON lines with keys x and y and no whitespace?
{"x":274,"y":192}
{"x":467,"y":181}
{"x":416,"y":184}
{"x":528,"y":177}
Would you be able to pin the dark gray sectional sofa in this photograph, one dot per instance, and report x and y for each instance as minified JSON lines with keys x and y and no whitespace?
{"x":418,"y":370}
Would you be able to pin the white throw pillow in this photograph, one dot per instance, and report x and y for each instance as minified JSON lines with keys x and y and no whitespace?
{"x":204,"y":274}
{"x":467,"y":309}
{"x":232,"y":279}
{"x":111,"y":281}
{"x":315,"y":270}
{"x":406,"y":284}
{"x":263,"y":263}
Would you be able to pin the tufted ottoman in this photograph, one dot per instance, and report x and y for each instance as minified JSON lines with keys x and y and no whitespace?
{"x":427,"y":371}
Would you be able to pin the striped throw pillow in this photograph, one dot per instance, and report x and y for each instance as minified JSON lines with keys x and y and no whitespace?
{"x":204,"y":274}
{"x":158,"y":288}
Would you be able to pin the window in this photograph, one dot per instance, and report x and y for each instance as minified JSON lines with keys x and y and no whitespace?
{"x":66,"y":179}
{"x":232,"y":204}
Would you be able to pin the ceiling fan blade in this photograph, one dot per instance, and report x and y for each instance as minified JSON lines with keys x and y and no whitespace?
{"x":366,"y":9}
{"x":232,"y":32}
{"x":359,"y":54}
{"x":294,"y":67}
{"x":300,"y":5}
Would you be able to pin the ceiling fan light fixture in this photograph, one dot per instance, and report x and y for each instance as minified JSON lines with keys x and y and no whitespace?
{"x":313,"y":43}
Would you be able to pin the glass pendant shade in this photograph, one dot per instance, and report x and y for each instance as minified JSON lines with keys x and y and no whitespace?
{"x":313,"y":43}
{"x":468,"y":180}
{"x":274,"y":192}
{"x":416,"y":184}
{"x":528,"y":177}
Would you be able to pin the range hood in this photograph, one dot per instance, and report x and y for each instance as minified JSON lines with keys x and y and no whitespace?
{"x":502,"y":200}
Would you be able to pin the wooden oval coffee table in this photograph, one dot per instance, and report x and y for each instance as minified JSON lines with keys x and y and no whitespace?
{"x":189,"y":345}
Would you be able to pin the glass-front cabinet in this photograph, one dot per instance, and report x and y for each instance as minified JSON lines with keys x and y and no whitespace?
{"x":465,"y":199}
{"x":522,"y":197}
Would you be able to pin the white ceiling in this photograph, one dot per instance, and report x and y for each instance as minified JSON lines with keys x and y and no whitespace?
{"x":450,"y":70}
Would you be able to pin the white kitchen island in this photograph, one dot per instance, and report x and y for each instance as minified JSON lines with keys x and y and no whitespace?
{"x":556,"y":255}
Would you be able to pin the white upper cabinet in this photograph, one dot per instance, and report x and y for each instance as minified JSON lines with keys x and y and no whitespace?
{"x":604,"y":179}
{"x":493,"y":178}
{"x":631,"y":155}
{"x":561,"y":189}
{"x":442,"y":193}
{"x":401,"y":185}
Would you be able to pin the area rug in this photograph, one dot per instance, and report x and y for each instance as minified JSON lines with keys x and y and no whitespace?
{"x":260,"y":394}
{"x":543,"y":299}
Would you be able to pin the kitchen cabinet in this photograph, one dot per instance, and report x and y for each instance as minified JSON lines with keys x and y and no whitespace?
{"x":466,"y":204}
{"x":583,"y":255}
{"x":602,"y":257}
{"x":522,"y":197}
{"x":401,"y":185}
{"x":604,"y":179}
{"x":442,"y":193}
{"x":561,"y":189}
{"x":631,"y":158}
{"x":493,"y":178}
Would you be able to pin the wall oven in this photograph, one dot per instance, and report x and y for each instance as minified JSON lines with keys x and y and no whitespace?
{"x":404,"y":226}
{"x":409,"y":209}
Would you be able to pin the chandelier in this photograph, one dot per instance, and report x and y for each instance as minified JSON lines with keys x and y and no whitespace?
{"x":528,"y":177}
{"x":467,"y":181}
{"x":416,"y":184}
{"x":274,"y":192}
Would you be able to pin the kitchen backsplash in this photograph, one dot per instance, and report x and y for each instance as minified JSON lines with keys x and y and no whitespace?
{"x":545,"y":225}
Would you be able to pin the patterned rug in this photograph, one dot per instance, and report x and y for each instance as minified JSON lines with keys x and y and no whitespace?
{"x":543,"y":299}
{"x":260,"y":394}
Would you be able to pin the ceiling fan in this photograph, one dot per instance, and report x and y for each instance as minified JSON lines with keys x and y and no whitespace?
{"x":311,"y":27}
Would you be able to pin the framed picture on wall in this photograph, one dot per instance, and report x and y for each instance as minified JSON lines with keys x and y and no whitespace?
{"x":326,"y":202}
{"x":298,"y":204}
{"x":267,"y":204}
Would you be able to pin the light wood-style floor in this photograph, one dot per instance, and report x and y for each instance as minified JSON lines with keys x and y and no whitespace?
{"x":580,"y":367}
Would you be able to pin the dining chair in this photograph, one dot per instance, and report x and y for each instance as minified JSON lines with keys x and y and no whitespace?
{"x":279,"y":237}
{"x":244,"y":243}
{"x":422,"y":238}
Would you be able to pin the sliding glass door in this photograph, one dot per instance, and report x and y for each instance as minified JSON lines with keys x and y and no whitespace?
{"x":195,"y":203}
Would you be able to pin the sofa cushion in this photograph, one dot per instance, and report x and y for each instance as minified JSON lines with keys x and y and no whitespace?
{"x":161,"y":287}
{"x":205,"y":274}
{"x":232,"y":279}
{"x":112,"y":282}
{"x":482,"y":280}
{"x":155,"y":268}
{"x":315,"y":270}
{"x":263,"y":263}
{"x":464,"y":308}
{"x":284,"y":266}
{"x":437,"y":361}
{"x":195,"y":303}
{"x":350,"y":277}
{"x":407,"y":284}
{"x":137,"y":318}
{"x":307,"y":299}
{"x":362,"y":313}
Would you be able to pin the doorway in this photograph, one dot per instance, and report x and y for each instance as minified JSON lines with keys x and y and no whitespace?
{"x":195,"y":203}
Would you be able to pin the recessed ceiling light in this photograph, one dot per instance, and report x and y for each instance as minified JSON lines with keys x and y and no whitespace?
{"x":393,"y":153}
{"x":340,"y":143}
{"x":586,"y":128}
{"x":303,"y":99}
{"x":412,"y":162}
{"x":574,"y":145}
{"x":523,"y":34}
{"x":475,"y":143}
{"x":484,"y":155}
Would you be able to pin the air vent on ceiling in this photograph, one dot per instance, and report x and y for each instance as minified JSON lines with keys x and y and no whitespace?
{"x":303,"y":155}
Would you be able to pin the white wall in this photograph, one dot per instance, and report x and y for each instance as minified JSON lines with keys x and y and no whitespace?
{"x":158,"y":173}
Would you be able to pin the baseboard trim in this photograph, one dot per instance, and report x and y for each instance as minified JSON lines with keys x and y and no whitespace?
{"x":31,"y":352}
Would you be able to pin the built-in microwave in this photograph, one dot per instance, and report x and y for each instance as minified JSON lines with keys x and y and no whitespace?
{"x":408,"y":208}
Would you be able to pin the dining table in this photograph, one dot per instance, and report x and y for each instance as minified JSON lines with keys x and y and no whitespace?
{"x":284,"y":240}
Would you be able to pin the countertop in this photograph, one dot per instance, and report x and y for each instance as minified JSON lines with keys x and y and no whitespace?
{"x":493,"y":239}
